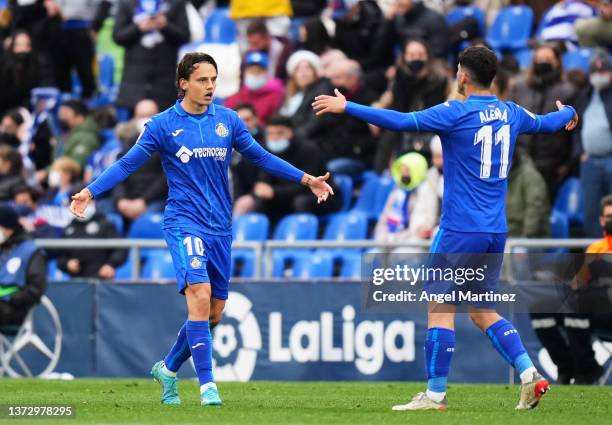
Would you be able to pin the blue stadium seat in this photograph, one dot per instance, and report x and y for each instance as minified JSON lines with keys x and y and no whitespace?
{"x":220,"y":28}
{"x":117,"y":220}
{"x":351,"y":265}
{"x":460,"y":13}
{"x":106,"y":65}
{"x":54,"y":273}
{"x":373,"y":195}
{"x":293,"y":227}
{"x":124,"y":271}
{"x":577,"y":59}
{"x":559,"y":225}
{"x":319,"y":265}
{"x":524,"y":57}
{"x":570,"y":201}
{"x":345,"y":184}
{"x":511,"y":29}
{"x":147,"y":226}
{"x":249,"y":227}
{"x":158,"y":265}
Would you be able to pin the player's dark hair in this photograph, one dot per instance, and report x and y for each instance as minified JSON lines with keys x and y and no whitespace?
{"x":79,"y":107}
{"x":188,"y":64}
{"x":246,"y":106}
{"x":481,"y":63}
{"x":606,"y":201}
{"x":281,"y":121}
{"x":258,"y":26}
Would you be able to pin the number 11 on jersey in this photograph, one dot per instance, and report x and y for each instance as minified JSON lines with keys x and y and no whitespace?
{"x":485,"y":136}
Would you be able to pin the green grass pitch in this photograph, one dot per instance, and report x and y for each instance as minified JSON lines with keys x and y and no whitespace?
{"x":132,"y":401}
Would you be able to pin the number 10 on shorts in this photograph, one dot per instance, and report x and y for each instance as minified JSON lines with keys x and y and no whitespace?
{"x":194,"y":245}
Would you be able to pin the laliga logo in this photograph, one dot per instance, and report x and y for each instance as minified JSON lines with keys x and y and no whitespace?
{"x":366,"y":344}
{"x":225,"y":341}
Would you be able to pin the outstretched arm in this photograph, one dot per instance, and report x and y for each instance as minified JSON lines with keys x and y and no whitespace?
{"x":427,"y":120}
{"x":566,"y":117}
{"x":111,"y":177}
{"x":281,"y":168}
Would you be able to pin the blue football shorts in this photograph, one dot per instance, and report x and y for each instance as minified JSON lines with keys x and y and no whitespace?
{"x":200,"y":258}
{"x":461,"y":251}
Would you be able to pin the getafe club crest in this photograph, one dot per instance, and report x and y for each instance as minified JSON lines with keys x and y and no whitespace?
{"x":196,"y":263}
{"x":221,"y":130}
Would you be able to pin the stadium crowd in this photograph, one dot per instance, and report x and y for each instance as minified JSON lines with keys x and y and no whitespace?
{"x":80,"y":78}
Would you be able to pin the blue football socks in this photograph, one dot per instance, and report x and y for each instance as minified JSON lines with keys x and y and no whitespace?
{"x":200,"y":343}
{"x":439,"y":348}
{"x":180,"y":352}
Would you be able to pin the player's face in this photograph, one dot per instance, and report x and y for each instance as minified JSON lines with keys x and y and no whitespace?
{"x":200,"y":87}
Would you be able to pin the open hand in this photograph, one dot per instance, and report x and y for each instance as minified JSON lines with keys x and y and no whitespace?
{"x":324,"y":104}
{"x":573,"y":123}
{"x":319,"y":186}
{"x":79,"y":202}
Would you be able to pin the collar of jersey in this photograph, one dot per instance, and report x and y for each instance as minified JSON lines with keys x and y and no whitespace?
{"x":474,"y":98}
{"x":179,"y":110}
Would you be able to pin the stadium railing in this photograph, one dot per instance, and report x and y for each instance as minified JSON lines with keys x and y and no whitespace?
{"x":263,"y":251}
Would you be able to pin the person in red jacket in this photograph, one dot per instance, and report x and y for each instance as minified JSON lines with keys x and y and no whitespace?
{"x":264,"y":93}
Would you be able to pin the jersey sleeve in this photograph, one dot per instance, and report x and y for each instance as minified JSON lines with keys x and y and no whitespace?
{"x":150,"y":137}
{"x":437,"y":119}
{"x":530,"y":123}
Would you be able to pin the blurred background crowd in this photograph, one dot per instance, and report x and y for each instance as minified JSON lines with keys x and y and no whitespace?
{"x":81,"y":77}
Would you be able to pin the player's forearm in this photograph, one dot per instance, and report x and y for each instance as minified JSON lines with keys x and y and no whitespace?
{"x":385,"y":118}
{"x":119,"y":171}
{"x":272,"y":164}
{"x":555,"y":121}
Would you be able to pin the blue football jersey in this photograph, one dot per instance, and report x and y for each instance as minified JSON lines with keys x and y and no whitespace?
{"x":195,"y":154}
{"x":478,"y":139}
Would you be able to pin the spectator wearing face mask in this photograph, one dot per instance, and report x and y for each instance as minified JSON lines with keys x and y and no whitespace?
{"x":553,"y":154}
{"x":11,"y":167}
{"x":81,"y":136}
{"x":275,"y":197}
{"x":23,"y":269}
{"x":93,"y":263}
{"x":10,"y":128}
{"x":243,"y":174}
{"x":412,"y":210}
{"x":417,"y":82}
{"x":258,"y":89}
{"x":594,"y":104}
{"x":20,"y":72}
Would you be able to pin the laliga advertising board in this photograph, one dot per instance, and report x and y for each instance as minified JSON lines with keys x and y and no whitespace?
{"x":271,"y":331}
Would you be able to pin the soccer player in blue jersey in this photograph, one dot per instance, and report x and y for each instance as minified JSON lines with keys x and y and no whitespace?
{"x":478,"y":138}
{"x":195,"y":139}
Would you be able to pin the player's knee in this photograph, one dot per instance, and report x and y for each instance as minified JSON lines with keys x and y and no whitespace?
{"x":214,"y":320}
{"x":478,"y":319}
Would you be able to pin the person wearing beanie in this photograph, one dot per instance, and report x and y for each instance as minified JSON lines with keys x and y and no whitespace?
{"x":23,"y":269}
{"x":305,"y":82}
